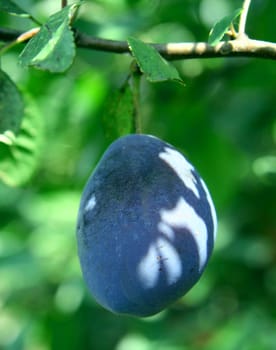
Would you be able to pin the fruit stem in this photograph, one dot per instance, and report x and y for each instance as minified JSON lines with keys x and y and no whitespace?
{"x":136,"y":84}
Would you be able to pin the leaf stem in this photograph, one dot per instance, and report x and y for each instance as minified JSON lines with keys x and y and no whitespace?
{"x":35,"y":20}
{"x":243,"y":17}
{"x":233,"y":32}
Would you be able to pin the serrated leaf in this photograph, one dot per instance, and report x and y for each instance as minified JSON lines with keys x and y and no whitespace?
{"x":118,"y":119}
{"x":19,"y":160}
{"x":11,"y":107}
{"x":221,"y":27}
{"x":12,"y":8}
{"x":53,"y":47}
{"x":151,"y":63}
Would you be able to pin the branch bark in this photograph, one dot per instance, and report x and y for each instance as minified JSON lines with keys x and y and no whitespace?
{"x":240,"y":47}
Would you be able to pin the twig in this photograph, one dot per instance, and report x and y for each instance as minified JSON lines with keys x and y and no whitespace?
{"x":9,"y":34}
{"x":20,"y":39}
{"x":27,"y":35}
{"x":243,"y":17}
{"x":240,"y":47}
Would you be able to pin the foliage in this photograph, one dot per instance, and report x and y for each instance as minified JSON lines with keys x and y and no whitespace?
{"x":53,"y":47}
{"x":155,"y":68}
{"x":221,"y":27}
{"x":11,"y":106}
{"x":223,"y":119}
{"x":12,"y":8}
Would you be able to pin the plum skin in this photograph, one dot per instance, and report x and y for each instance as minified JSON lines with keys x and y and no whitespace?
{"x":146,"y":226}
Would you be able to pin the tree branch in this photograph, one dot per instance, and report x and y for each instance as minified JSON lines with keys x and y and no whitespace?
{"x":9,"y":34}
{"x":244,"y":47}
{"x":240,"y":47}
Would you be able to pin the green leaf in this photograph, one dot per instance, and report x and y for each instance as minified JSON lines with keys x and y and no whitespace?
{"x":19,"y":159}
{"x":12,"y":8}
{"x":151,"y":63}
{"x":119,"y":117}
{"x":53,"y":48}
{"x":221,"y":27}
{"x":11,"y":108}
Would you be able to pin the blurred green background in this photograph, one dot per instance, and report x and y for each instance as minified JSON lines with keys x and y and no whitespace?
{"x":223,"y":120}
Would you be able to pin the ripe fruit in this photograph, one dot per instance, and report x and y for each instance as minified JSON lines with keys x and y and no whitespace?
{"x":146,"y":226}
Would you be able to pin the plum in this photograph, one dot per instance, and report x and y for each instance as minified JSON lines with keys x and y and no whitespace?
{"x":146,"y":226}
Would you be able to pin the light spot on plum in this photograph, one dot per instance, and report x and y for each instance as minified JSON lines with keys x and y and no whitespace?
{"x":182,"y":168}
{"x":150,"y":266}
{"x":166,"y":230}
{"x":147,"y":269}
{"x":170,"y":260}
{"x":212,"y":208}
{"x":90,"y":203}
{"x":183,"y":215}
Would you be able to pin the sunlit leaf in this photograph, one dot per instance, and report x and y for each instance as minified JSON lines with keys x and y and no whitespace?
{"x":53,"y":48}
{"x":221,"y":27}
{"x":11,"y":108}
{"x":151,"y":63}
{"x":19,"y":159}
{"x":12,"y":8}
{"x":118,"y":119}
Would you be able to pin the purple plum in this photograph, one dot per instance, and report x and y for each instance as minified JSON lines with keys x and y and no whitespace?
{"x":146,"y":226}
